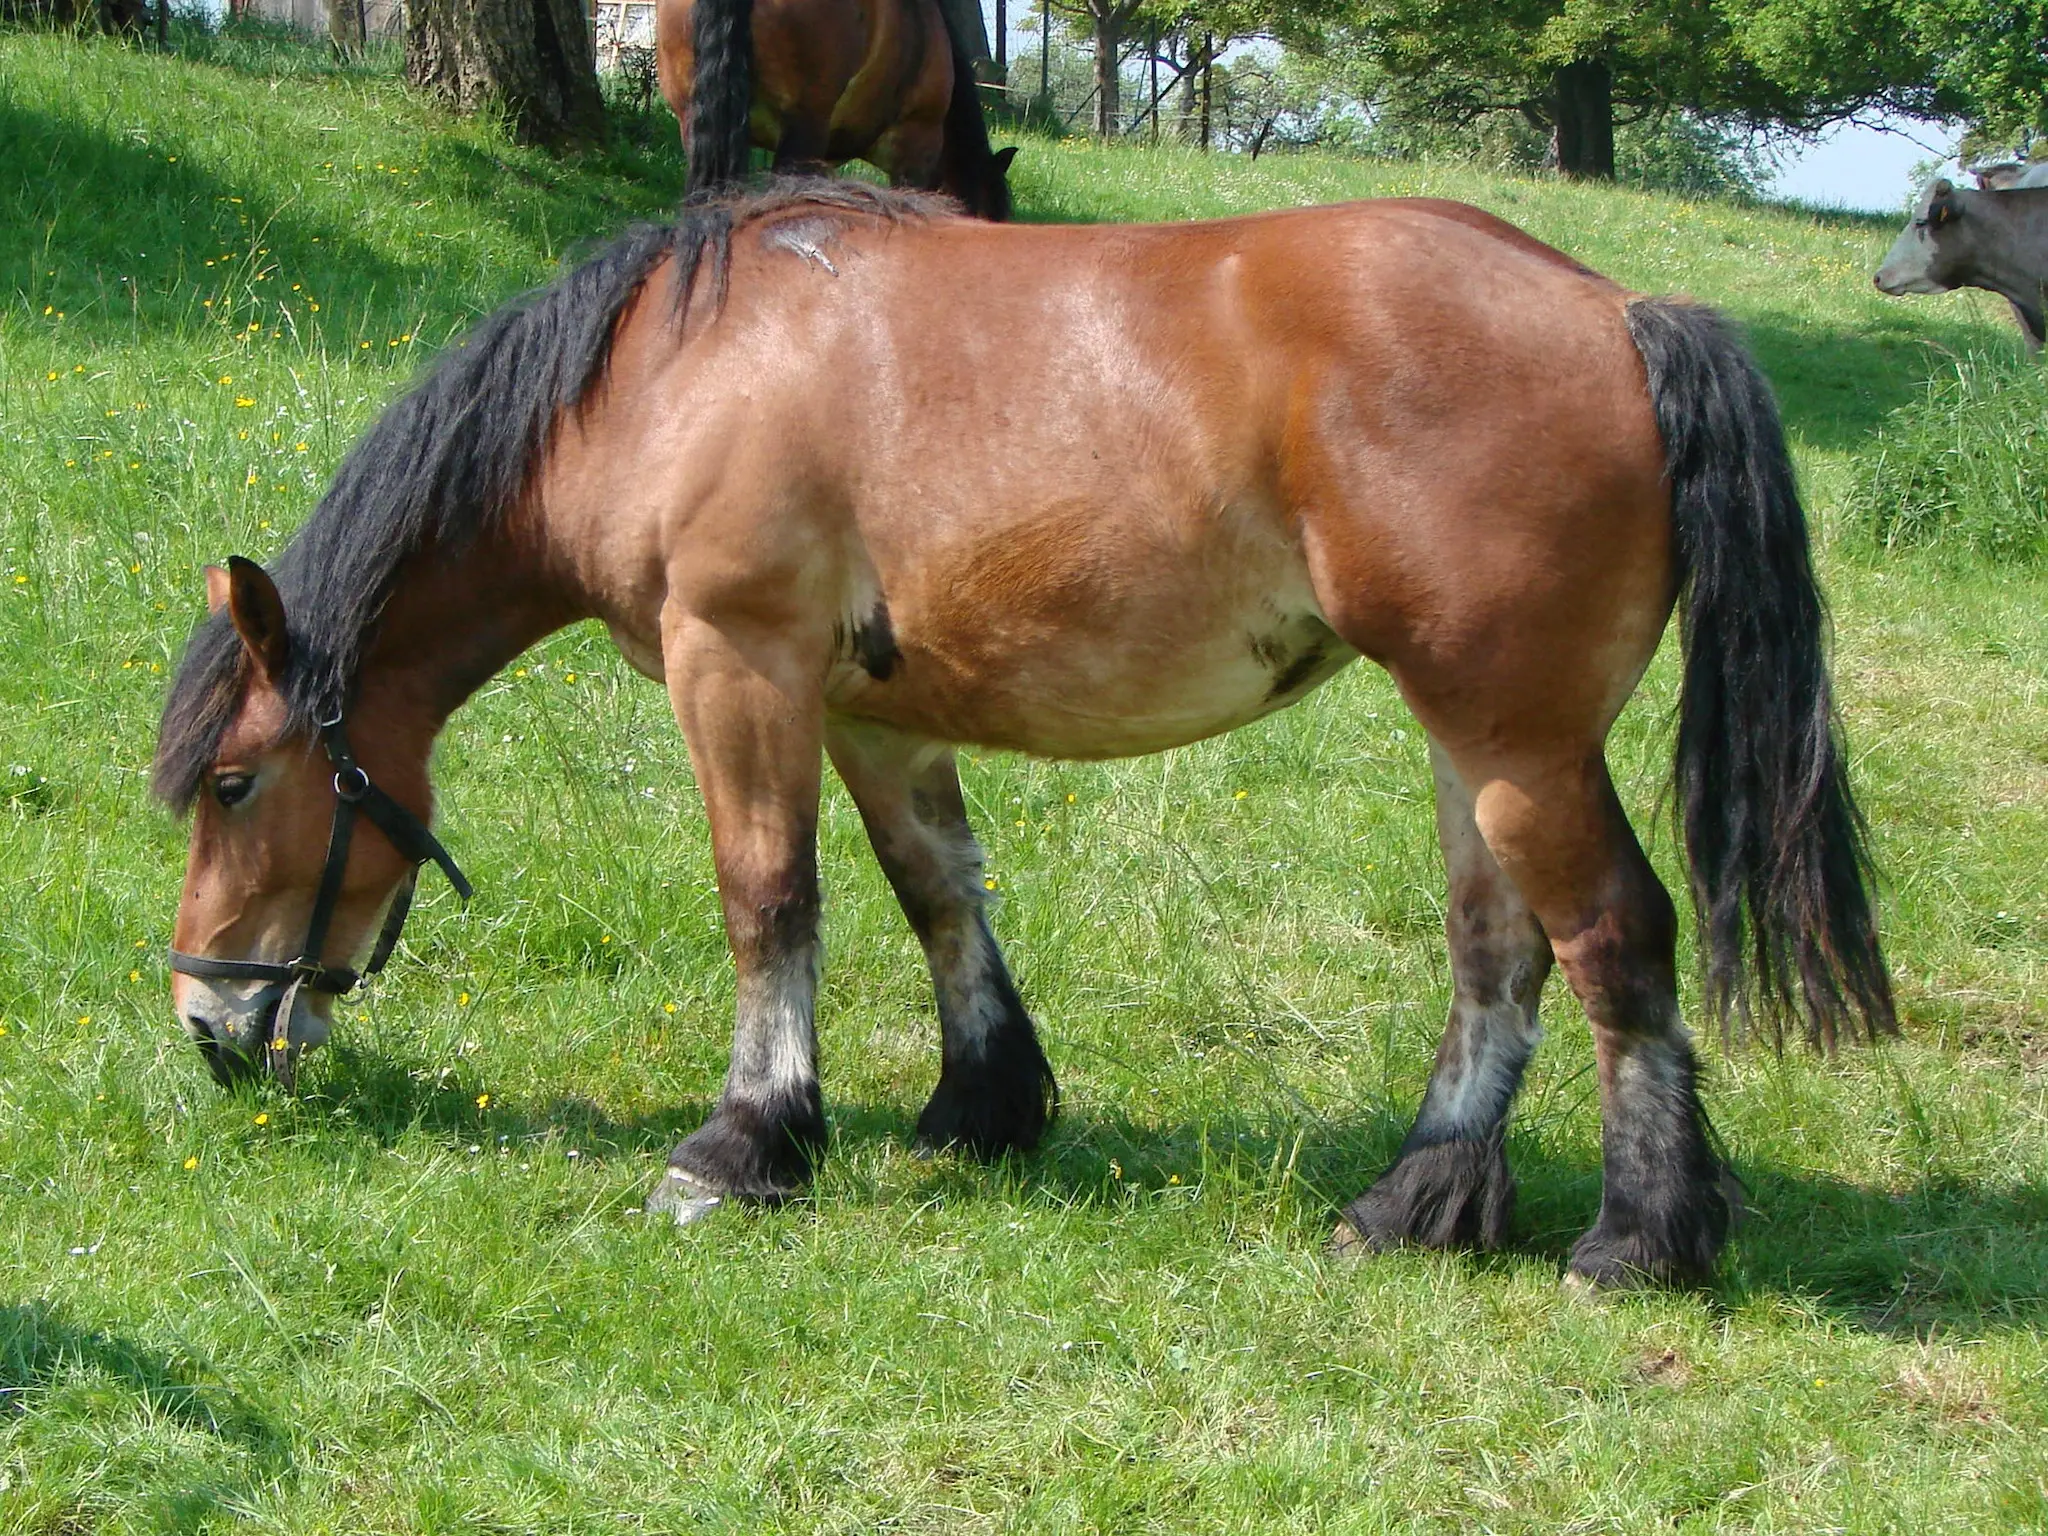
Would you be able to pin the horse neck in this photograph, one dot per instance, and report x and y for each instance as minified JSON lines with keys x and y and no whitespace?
{"x":453,"y":621}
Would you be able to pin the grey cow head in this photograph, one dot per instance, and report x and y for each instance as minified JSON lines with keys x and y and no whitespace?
{"x":1927,"y":256}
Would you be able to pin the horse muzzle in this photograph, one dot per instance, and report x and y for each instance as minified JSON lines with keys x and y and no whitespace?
{"x":234,"y":1024}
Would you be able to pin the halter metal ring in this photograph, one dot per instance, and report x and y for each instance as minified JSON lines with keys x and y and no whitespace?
{"x":351,"y":783}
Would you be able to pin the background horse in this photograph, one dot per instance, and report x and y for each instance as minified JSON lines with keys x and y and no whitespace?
{"x":854,"y":477}
{"x":819,"y":82}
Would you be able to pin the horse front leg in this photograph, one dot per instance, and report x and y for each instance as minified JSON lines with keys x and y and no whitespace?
{"x":996,"y":1092}
{"x":753,"y":719}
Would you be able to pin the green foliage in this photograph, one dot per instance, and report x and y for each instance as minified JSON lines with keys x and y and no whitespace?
{"x":1993,"y":61}
{"x":1965,"y":468}
{"x":1455,"y":60}
{"x":413,"y":1298}
{"x":1682,"y":153}
{"x":1672,"y":153}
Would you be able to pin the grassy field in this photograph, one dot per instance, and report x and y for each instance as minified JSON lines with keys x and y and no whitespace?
{"x":417,"y":1296}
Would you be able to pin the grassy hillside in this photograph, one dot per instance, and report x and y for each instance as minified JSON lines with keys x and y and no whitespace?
{"x":416,"y":1298}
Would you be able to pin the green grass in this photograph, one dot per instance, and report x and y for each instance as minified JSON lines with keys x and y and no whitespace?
{"x":393,"y":1305}
{"x":1965,"y":468}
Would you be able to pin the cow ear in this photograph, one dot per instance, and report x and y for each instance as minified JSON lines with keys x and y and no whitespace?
{"x":258,"y":615}
{"x":1003,"y":157}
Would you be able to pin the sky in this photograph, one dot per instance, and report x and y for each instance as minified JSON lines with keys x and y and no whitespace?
{"x":1861,"y":166}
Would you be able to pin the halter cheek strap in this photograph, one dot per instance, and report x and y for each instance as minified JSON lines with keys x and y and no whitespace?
{"x":354,"y":794}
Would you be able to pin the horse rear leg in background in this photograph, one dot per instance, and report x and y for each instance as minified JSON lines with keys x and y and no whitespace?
{"x":751,"y":709}
{"x":995,"y":1091}
{"x":1555,"y":824}
{"x":1450,"y":1186}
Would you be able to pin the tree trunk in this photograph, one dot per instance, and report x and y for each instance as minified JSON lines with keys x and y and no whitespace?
{"x":1208,"y":82}
{"x":1153,"y":51}
{"x":531,"y":57}
{"x":1002,"y":41}
{"x":344,"y":27}
{"x":1108,"y":79}
{"x":1045,"y":55}
{"x":1583,"y":141}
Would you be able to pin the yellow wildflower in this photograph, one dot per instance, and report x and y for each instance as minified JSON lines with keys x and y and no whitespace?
{"x":191,"y":1163}
{"x":263,"y":1119}
{"x":483,"y":1101}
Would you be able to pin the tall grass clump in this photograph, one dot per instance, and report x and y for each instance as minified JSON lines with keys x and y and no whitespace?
{"x":1964,"y":469}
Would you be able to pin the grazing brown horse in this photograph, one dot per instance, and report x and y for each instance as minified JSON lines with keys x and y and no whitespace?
{"x":854,"y":477}
{"x":819,"y":82}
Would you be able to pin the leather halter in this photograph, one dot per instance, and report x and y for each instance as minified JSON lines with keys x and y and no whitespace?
{"x":353,"y":793}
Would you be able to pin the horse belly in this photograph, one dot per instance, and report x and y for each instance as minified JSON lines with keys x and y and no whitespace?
{"x":1079,"y":673}
{"x":1264,"y":665}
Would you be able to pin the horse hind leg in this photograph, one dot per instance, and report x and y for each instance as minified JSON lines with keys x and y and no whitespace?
{"x":996,"y":1092}
{"x":1558,"y":830}
{"x":1450,"y":1186}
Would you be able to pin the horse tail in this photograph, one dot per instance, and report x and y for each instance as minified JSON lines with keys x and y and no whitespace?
{"x":1779,"y":861}
{"x":721,"y":93}
{"x":973,"y":174}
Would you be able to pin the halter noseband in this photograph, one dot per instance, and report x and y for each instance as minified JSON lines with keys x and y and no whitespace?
{"x":353,"y":793}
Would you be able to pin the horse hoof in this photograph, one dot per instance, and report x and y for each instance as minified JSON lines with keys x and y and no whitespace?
{"x":1347,"y":1242}
{"x":1584,"y":1290}
{"x":682,"y":1197}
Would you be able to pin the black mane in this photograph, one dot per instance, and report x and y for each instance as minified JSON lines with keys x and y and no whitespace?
{"x":453,"y":454}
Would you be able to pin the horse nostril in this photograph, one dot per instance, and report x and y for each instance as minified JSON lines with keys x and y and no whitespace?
{"x":224,"y":1060}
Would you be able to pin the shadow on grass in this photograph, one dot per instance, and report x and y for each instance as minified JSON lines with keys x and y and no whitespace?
{"x":110,"y":231}
{"x":120,"y":238}
{"x":39,"y":1345}
{"x":1939,"y":1258}
{"x":1836,"y":387}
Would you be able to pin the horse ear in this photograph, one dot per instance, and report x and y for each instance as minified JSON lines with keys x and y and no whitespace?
{"x":258,"y":615}
{"x":1944,"y":188}
{"x":1003,"y":157}
{"x":217,"y":580}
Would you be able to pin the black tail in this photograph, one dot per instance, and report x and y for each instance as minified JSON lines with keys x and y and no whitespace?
{"x":1780,"y":872}
{"x":721,"y":93}
{"x":970,"y":170}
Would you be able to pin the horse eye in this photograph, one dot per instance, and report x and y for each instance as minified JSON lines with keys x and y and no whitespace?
{"x":232,"y":788}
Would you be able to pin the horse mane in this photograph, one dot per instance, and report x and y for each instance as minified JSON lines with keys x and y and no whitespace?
{"x":456,"y":452}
